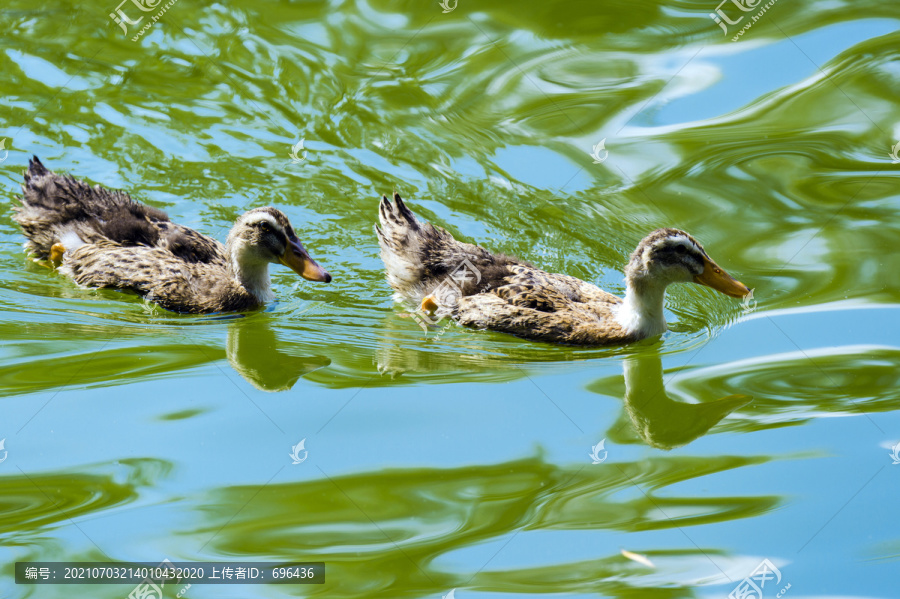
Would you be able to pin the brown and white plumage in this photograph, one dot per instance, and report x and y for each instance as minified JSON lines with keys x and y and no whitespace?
{"x":103,"y":238}
{"x":427,"y":267}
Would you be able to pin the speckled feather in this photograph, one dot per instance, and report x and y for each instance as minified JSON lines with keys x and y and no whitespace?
{"x":511,"y":296}
{"x":160,"y":276}
{"x":54,"y":204}
{"x":127,"y":245}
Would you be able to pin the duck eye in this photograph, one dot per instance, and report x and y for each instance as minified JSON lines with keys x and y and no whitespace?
{"x":680,"y":249}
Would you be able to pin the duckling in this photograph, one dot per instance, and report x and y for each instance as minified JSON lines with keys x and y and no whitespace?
{"x":103,"y":238}
{"x":427,"y":267}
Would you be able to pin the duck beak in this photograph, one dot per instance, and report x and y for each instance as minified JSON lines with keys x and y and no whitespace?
{"x":713,"y":276}
{"x":297,"y":259}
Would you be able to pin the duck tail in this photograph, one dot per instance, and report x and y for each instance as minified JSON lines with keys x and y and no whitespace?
{"x":421,"y":259}
{"x":36,"y":213}
{"x":403,"y":245}
{"x":399,"y":224}
{"x":61,"y":209}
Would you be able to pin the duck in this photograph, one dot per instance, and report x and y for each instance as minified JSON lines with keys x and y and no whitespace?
{"x":104,"y":239}
{"x":441,"y":277}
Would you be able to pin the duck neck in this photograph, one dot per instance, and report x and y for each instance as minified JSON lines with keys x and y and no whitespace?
{"x":642,"y":312}
{"x":252,"y":275}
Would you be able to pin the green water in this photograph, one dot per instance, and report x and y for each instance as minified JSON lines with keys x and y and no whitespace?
{"x":462,"y":460}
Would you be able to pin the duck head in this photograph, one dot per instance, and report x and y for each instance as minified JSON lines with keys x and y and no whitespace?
{"x":663,"y":257}
{"x":263,"y":236}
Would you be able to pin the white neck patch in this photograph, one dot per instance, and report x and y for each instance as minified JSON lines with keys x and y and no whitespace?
{"x":642,"y":312}
{"x":253,"y":275}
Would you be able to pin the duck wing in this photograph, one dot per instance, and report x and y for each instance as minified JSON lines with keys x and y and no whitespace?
{"x":61,"y":209}
{"x":153,"y":272}
{"x":543,"y":306}
{"x":526,"y":285}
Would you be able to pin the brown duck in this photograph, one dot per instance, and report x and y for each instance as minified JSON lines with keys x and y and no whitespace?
{"x":103,"y":238}
{"x":443,"y":277}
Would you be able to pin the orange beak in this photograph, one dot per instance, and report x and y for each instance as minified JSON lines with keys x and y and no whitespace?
{"x":713,"y":276}
{"x":297,"y":259}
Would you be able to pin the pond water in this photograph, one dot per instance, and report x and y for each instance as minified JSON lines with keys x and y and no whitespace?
{"x":462,"y":463}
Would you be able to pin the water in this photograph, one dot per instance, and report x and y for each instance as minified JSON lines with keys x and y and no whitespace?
{"x":464,"y":460}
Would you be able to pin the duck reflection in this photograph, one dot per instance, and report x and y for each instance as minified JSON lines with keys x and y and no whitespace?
{"x":658,"y":419}
{"x":256,"y":354}
{"x":449,"y":349}
{"x":404,"y":350}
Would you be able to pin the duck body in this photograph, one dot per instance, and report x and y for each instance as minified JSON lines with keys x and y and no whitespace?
{"x":103,"y":238}
{"x":428,"y":268}
{"x":175,"y":284}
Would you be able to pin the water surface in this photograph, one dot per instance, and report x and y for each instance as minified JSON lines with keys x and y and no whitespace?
{"x":463,"y":460}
